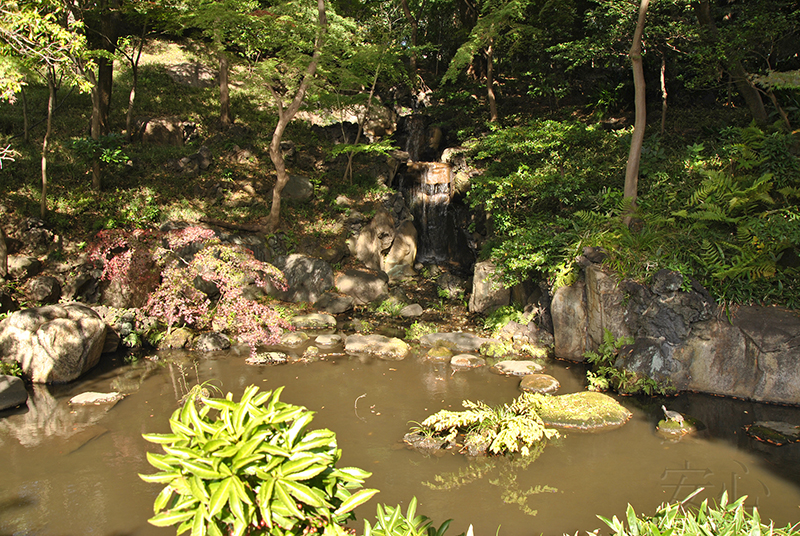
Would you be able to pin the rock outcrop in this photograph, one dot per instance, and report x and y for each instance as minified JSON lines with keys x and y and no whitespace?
{"x":55,"y":343}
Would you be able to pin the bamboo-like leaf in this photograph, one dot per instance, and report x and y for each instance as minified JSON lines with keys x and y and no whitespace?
{"x":240,"y":490}
{"x":353,"y":474}
{"x":180,"y":452}
{"x":356,"y":499}
{"x":286,"y":500}
{"x":303,"y":493}
{"x":198,"y":488}
{"x":220,"y":404}
{"x":163,"y":462}
{"x":297,"y":427}
{"x":180,"y":428}
{"x":198,"y":525}
{"x":162,"y":439}
{"x":170,"y":517}
{"x":264,"y":498}
{"x":162,"y":500}
{"x":219,"y":498}
{"x":200,"y":469}
{"x":316,"y":439}
{"x":308,"y":473}
{"x":213,"y":529}
{"x":214,"y":445}
{"x":163,"y":477}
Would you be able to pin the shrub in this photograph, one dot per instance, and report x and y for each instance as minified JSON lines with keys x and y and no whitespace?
{"x":251,"y":467}
{"x":419,"y":329}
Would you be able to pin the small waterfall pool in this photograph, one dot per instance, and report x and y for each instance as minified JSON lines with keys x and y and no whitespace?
{"x":74,"y":470}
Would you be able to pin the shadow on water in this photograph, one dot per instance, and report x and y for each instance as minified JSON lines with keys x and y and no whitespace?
{"x":74,"y":470}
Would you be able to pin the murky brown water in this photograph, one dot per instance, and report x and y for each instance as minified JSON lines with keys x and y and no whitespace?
{"x":74,"y":471}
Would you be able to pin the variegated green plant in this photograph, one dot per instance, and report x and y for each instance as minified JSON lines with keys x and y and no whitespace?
{"x":251,"y":467}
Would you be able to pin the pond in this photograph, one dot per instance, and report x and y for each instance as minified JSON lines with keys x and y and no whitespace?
{"x":74,"y":470}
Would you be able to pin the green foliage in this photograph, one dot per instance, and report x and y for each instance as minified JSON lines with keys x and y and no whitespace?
{"x":418,"y":329}
{"x":514,"y":427}
{"x":390,"y":306}
{"x":605,"y":376}
{"x":497,"y":319}
{"x":251,"y":467}
{"x":10,"y":368}
{"x":107,"y":149}
{"x":391,"y":521}
{"x":675,"y":518}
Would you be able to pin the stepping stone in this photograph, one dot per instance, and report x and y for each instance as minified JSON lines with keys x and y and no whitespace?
{"x":329,"y":341}
{"x":293,"y":339}
{"x":439,"y":353}
{"x":518,"y":368}
{"x":539,"y":383}
{"x":458,"y":341}
{"x":267,"y":358}
{"x":587,"y":410}
{"x":467,"y":361}
{"x":314,"y":321}
{"x":92,"y":398}
{"x":388,"y":348}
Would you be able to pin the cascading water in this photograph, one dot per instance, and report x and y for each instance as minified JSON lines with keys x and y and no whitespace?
{"x":431,"y":194}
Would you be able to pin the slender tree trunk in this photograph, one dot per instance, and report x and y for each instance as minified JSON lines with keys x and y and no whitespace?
{"x":51,"y":104}
{"x":740,"y":77}
{"x":635,"y":154}
{"x":490,"y":85}
{"x":348,"y":171}
{"x":782,"y":113}
{"x":97,"y":122}
{"x":224,"y":91}
{"x":25,"y":124}
{"x":663,"y":92}
{"x":135,"y":57}
{"x":285,"y":115}
{"x":3,"y":256}
{"x":414,"y":30}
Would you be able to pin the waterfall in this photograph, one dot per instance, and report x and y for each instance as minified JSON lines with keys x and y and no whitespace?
{"x":430,"y":201}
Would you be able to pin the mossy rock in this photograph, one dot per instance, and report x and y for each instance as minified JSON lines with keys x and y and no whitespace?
{"x":314,"y":321}
{"x":539,"y":383}
{"x":671,"y":429}
{"x":439,"y":353}
{"x":388,"y":348}
{"x":293,"y":339}
{"x":774,"y":432}
{"x":467,"y":361}
{"x":587,"y":410}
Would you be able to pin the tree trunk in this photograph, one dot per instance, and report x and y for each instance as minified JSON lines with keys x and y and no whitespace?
{"x":348,"y":171}
{"x":25,"y":125}
{"x":105,"y":80}
{"x":135,"y":57}
{"x":285,"y":115}
{"x":96,"y":130}
{"x":663,"y":92}
{"x":3,"y":256}
{"x":635,"y":154}
{"x":414,"y":29}
{"x":490,"y":85}
{"x":740,"y":77}
{"x":224,"y":91}
{"x":51,"y":104}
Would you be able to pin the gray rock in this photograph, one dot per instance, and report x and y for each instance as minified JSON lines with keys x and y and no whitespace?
{"x":12,"y":392}
{"x":403,"y":250}
{"x":375,"y":239}
{"x":412,"y":310}
{"x":389,"y":348}
{"x":44,"y":289}
{"x":334,"y":303}
{"x":163,"y":131}
{"x":212,"y":342}
{"x":458,"y":341}
{"x":313,"y":321}
{"x":487,"y":292}
{"x":54,"y":343}
{"x":267,"y":358}
{"x":21,"y":267}
{"x":293,"y":339}
{"x":518,"y":368}
{"x":329,"y":341}
{"x":570,"y":321}
{"x":307,"y":278}
{"x":298,"y":188}
{"x":178,"y":338}
{"x":92,"y":398}
{"x":539,"y":383}
{"x":466,"y":361}
{"x":364,"y":287}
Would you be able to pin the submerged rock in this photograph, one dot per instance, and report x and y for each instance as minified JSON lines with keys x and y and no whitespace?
{"x":439,"y":353}
{"x":458,"y":341}
{"x":586,"y":410}
{"x":267,"y":358}
{"x":674,"y":429}
{"x":92,"y":398}
{"x":293,"y":339}
{"x":775,"y":432}
{"x":424,"y":443}
{"x":465,"y":361}
{"x":12,"y":392}
{"x":539,"y":383}
{"x":518,"y":368}
{"x":390,"y":348}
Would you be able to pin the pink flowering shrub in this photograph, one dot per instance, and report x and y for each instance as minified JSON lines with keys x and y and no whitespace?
{"x":176,"y":300}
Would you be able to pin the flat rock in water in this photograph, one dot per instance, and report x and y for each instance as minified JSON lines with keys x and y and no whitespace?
{"x":314,"y":321}
{"x":267,"y":358}
{"x":329,"y":341}
{"x":92,"y":398}
{"x":439,"y":353}
{"x":539,"y":383}
{"x":774,"y":432}
{"x":293,"y":338}
{"x":458,"y":341}
{"x":671,"y":429}
{"x":12,"y":392}
{"x":518,"y":368}
{"x":467,"y":361}
{"x":389,"y":348}
{"x":587,"y":410}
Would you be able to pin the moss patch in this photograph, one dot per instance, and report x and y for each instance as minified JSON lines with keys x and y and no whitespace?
{"x":587,"y":410}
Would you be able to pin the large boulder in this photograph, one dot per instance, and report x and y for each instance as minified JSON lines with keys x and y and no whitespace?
{"x":487,"y":292}
{"x":568,"y":311}
{"x":364,"y":287}
{"x":388,"y":348}
{"x":457,"y":341}
{"x":403,"y":250}
{"x":374,"y":240}
{"x":586,"y":410}
{"x":55,"y":343}
{"x":307,"y":278}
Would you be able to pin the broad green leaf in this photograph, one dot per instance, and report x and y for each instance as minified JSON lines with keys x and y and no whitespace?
{"x":264,"y":498}
{"x":240,"y":490}
{"x":286,"y":501}
{"x":180,"y":428}
{"x":297,"y":427}
{"x":356,"y":499}
{"x":162,"y":499}
{"x":200,"y":469}
{"x":213,"y":529}
{"x":170,"y":517}
{"x":307,"y":474}
{"x":163,"y":462}
{"x":214,"y":444}
{"x":352,"y":474}
{"x":274,"y":450}
{"x":303,"y":493}
{"x":160,"y":478}
{"x":180,"y":452}
{"x":239,"y":464}
{"x":313,"y":441}
{"x":198,"y":525}
{"x":162,"y":439}
{"x":297,"y":463}
{"x":220,"y":404}
{"x":198,"y":488}
{"x":219,"y":498}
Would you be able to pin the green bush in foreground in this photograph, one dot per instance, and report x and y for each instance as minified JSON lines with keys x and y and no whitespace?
{"x":725,"y":519}
{"x":251,"y":468}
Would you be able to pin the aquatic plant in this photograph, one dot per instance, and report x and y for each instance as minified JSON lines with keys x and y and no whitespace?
{"x":514,"y":427}
{"x":251,"y":467}
{"x":675,"y":518}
